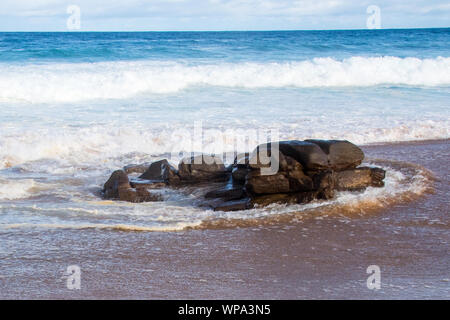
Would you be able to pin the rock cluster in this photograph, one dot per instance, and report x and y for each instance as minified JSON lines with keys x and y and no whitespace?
{"x":282,"y":172}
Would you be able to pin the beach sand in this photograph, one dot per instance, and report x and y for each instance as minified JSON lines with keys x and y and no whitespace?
{"x":313,"y":256}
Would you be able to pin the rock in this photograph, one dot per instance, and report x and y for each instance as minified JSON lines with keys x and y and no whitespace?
{"x":233,"y":205}
{"x":325,"y":184}
{"x":138,"y":195}
{"x":285,"y":198}
{"x":118,"y":187}
{"x":359,"y":178}
{"x":200,"y":168}
{"x":118,"y":180}
{"x":148,"y":184}
{"x":299,"y":181}
{"x":256,"y":183}
{"x":289,"y":169}
{"x":136,"y":168}
{"x":289,"y":164}
{"x":227,"y":193}
{"x":310,"y":155}
{"x":281,"y":198}
{"x":305,"y":197}
{"x":260,"y":157}
{"x":161,"y":171}
{"x":239,"y":174}
{"x":341,"y":153}
{"x":241,"y":160}
{"x":378,"y":176}
{"x":305,"y":171}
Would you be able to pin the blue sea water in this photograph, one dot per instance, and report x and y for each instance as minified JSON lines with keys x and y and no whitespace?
{"x":213,"y":47}
{"x":74,"y":106}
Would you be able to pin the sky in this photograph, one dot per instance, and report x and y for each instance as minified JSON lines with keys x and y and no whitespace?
{"x":211,"y":15}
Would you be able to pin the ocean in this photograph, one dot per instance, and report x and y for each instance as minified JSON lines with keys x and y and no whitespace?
{"x":76,"y":106}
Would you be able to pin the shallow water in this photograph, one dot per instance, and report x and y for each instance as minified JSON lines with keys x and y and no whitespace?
{"x":74,"y":107}
{"x":306,"y":256}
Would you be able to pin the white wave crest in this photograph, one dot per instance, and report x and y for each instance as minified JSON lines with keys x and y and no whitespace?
{"x":118,"y":80}
{"x":63,"y":150}
{"x":15,"y":189}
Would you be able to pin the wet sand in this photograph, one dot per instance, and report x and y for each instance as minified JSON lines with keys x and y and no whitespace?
{"x":319,"y":256}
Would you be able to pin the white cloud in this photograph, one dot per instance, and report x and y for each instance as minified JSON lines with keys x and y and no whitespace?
{"x":221,"y":14}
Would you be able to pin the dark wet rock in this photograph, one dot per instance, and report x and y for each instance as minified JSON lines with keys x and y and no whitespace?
{"x":236,"y":205}
{"x":288,"y":164}
{"x":353,"y":179}
{"x":306,"y":197}
{"x":285,"y":198}
{"x":161,"y":171}
{"x":324,"y":182}
{"x":289,"y":178}
{"x":260,"y":157}
{"x":138,"y":195}
{"x":118,"y":180}
{"x":342,"y":154}
{"x":241,"y":160}
{"x":310,"y":155}
{"x":298,"y":181}
{"x":149,"y":184}
{"x":227,"y":193}
{"x":200,"y":168}
{"x":378,"y":176}
{"x":359,"y":178}
{"x":256,"y":183}
{"x":136,"y":168}
{"x":280,"y":198}
{"x":239,"y":174}
{"x":118,"y":187}
{"x":301,"y":172}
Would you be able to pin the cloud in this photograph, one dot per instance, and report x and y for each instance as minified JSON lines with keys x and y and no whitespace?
{"x":220,"y":14}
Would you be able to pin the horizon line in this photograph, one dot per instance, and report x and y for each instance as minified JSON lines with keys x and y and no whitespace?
{"x":237,"y":30}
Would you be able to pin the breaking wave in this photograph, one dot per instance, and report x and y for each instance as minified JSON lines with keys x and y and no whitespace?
{"x":15,"y":189}
{"x":72,"y":82}
{"x":58,"y":151}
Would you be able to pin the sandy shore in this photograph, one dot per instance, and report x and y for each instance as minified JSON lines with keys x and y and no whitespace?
{"x":323,"y":256}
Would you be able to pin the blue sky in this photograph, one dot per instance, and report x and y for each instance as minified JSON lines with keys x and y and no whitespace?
{"x":184,"y":15}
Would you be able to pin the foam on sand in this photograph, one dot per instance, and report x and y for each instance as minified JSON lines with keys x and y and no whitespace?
{"x":404,"y":182}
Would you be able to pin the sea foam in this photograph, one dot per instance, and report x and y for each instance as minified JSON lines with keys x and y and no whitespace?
{"x":72,"y":82}
{"x":15,"y":189}
{"x":63,"y":150}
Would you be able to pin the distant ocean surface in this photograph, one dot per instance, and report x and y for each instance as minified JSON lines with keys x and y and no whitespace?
{"x":75,"y":106}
